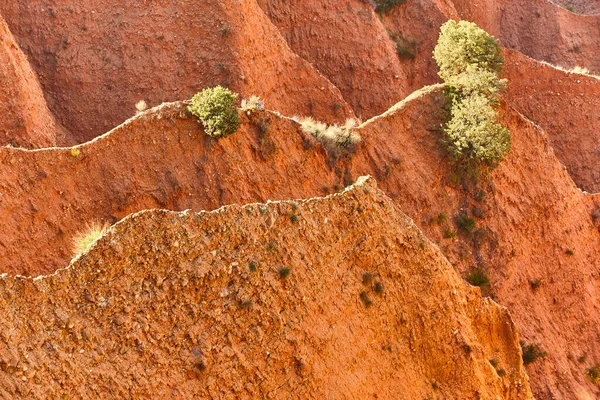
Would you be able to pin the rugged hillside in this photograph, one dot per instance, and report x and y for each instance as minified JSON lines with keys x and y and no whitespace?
{"x":87,"y":54}
{"x":539,"y":29}
{"x":186,"y":305}
{"x":566,"y":105}
{"x":25,"y":119}
{"x":161,"y":158}
{"x":588,"y":7}
{"x":535,"y":236}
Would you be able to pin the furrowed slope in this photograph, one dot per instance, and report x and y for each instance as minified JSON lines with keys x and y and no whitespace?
{"x":161,"y":158}
{"x":532,"y":225}
{"x":96,"y":61}
{"x":540,"y":29}
{"x":166,"y":305}
{"x":346,"y":42}
{"x":25,"y":120}
{"x":564,"y":104}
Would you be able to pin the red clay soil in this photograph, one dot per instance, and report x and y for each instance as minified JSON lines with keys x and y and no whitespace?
{"x":166,"y":305}
{"x":160,"y":158}
{"x":538,"y":28}
{"x":346,"y":41}
{"x":535,"y":236}
{"x":96,"y":60}
{"x":564,"y":104}
{"x":587,"y":7}
{"x":530,"y":216}
{"x":25,"y":120}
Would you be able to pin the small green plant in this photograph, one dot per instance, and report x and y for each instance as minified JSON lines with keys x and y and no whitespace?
{"x":378,"y":287}
{"x":385,"y":6}
{"x":449,"y":233}
{"x":494,"y":362}
{"x":405,"y":48}
{"x":252,"y":266}
{"x":570,"y":252}
{"x":364,"y":296}
{"x":478,"y":277}
{"x":535,"y":284}
{"x":441,"y":218}
{"x":593,"y":374}
{"x":284,"y":272}
{"x":271,"y":247}
{"x":367,"y":278}
{"x":531,"y":352}
{"x":84,"y":239}
{"x":465,"y":223}
{"x":294,"y":217}
{"x":217,"y":111}
{"x":581,"y":359}
{"x":74,"y":152}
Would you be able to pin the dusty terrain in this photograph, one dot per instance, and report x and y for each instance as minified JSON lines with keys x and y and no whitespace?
{"x":75,"y":70}
{"x":186,"y":316}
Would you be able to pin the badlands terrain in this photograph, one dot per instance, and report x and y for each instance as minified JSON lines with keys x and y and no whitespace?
{"x":265,"y":264}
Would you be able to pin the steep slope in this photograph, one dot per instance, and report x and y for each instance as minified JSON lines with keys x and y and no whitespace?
{"x":346,"y":42}
{"x":538,"y":28}
{"x":564,"y":104}
{"x":166,"y":305}
{"x":587,"y":7}
{"x":532,"y":225}
{"x":160,"y":158}
{"x":25,"y":120}
{"x":96,"y":61}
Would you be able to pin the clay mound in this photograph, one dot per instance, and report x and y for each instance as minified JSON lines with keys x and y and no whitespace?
{"x":538,"y":28}
{"x":564,"y":104}
{"x":25,"y":119}
{"x":96,"y":62}
{"x":346,"y":42}
{"x":194,"y":305}
{"x":588,"y":7}
{"x":161,"y":158}
{"x":535,"y":236}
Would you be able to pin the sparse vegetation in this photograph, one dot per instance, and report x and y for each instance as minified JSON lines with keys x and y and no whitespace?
{"x":74,"y":152}
{"x":478,"y":277}
{"x":449,"y":233}
{"x":335,"y":138}
{"x":405,"y":48}
{"x":531,"y":352}
{"x":84,"y":239}
{"x":364,"y":296}
{"x":465,"y":223}
{"x":252,"y":266}
{"x":254,"y":103}
{"x":593,"y":374}
{"x":217,"y":111}
{"x":294,"y":217}
{"x":570,"y":252}
{"x":378,"y":287}
{"x":535,"y":284}
{"x":284,"y":272}
{"x":470,"y":63}
{"x":385,"y":6}
{"x":367,"y":278}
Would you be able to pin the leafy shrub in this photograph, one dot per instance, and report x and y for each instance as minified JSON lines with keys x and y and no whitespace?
{"x":217,"y":111}
{"x":405,"y":48}
{"x":531,"y":352}
{"x":84,"y":239}
{"x":464,"y":44}
{"x":470,"y":63}
{"x":473,"y":134}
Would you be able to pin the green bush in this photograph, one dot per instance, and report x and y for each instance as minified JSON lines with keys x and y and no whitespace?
{"x":464,"y":44}
{"x":217,"y":111}
{"x":385,"y":6}
{"x":531,"y":352}
{"x":473,"y":133}
{"x":470,"y":63}
{"x":594,"y":374}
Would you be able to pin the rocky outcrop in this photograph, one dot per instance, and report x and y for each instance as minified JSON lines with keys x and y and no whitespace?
{"x":248,"y":302}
